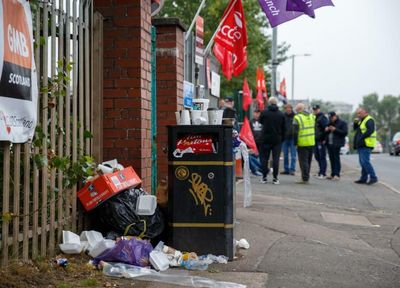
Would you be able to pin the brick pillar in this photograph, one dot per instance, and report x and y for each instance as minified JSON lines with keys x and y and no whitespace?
{"x":170,"y":57}
{"x":127,"y":83}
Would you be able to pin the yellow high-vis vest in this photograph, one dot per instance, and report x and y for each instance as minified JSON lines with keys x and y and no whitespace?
{"x":306,"y":123}
{"x":370,"y":141}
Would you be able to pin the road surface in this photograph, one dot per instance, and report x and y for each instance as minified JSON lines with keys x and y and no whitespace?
{"x":386,"y":167}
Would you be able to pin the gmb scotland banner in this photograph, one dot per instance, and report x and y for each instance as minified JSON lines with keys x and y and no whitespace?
{"x":18,"y":79}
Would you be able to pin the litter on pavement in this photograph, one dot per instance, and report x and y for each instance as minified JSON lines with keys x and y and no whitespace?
{"x":133,"y":219}
{"x":242,"y":243}
{"x":146,"y":274}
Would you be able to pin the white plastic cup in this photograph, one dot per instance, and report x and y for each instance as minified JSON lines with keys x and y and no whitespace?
{"x":185,"y":117}
{"x":215,"y":117}
{"x":204,"y":114}
{"x":197,"y":118}
{"x":178,"y":118}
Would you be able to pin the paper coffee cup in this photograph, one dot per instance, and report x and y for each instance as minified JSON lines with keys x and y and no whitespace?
{"x":185,"y":117}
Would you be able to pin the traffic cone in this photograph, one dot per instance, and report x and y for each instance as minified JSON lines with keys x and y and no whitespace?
{"x":238,"y":168}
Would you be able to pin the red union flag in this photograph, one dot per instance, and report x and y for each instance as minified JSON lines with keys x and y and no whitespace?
{"x":247,"y":99}
{"x":246,"y":135}
{"x":232,"y":37}
{"x":260,"y":100}
{"x":261,"y":80}
{"x":224,"y":56}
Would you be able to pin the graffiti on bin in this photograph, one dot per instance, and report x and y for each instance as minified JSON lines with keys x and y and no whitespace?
{"x":201,"y":193}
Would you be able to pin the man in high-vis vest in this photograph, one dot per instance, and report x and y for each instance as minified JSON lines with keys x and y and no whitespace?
{"x":304,"y":136}
{"x":364,"y":142}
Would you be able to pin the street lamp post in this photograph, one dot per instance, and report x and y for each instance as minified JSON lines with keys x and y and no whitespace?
{"x":294,"y":56}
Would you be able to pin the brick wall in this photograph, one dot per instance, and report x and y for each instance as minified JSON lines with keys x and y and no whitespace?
{"x":170,"y":57}
{"x":127,"y":83}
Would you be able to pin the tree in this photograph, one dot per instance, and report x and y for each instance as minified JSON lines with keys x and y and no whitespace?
{"x":259,"y":43}
{"x":370,"y":103}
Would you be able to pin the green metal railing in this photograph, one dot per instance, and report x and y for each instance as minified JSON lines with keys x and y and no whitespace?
{"x":153,"y":112}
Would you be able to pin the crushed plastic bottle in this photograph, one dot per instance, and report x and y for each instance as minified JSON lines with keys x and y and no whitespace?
{"x":209,"y":259}
{"x":193,"y":264}
{"x":60,"y":262}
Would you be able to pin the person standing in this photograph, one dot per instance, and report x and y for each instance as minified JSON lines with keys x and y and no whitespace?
{"x":256,"y":128}
{"x":288,"y":146}
{"x":273,"y":122}
{"x":320,"y":148}
{"x":230,"y":112}
{"x":364,"y":142}
{"x":221,"y":104}
{"x":336,"y":133}
{"x":304,"y":137}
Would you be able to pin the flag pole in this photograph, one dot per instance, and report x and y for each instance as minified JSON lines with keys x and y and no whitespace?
{"x":216,"y":31}
{"x":274,"y":60}
{"x":194,"y":19}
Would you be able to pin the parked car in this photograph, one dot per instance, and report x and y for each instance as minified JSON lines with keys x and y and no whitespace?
{"x":394,"y":145}
{"x":378,"y":148}
{"x":346,"y":148}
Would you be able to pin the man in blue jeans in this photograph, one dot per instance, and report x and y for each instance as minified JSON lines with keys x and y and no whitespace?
{"x":364,"y":142}
{"x":288,"y":147}
{"x":320,"y":147}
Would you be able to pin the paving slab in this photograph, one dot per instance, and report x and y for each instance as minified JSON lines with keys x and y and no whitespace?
{"x":346,"y":219}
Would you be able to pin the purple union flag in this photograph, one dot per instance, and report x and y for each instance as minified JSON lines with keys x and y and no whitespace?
{"x":276,"y":10}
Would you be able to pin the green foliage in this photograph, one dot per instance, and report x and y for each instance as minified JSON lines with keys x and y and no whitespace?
{"x":87,"y":134}
{"x":259,"y":42}
{"x":6,"y":216}
{"x":89,"y":283}
{"x":64,"y":285}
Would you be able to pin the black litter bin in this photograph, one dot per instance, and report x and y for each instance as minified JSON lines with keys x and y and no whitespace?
{"x":201,"y":207}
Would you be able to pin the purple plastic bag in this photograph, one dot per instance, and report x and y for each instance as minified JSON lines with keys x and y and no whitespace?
{"x":134,"y":252}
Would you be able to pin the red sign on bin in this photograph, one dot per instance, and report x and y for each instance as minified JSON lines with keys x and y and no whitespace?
{"x":106,"y":186}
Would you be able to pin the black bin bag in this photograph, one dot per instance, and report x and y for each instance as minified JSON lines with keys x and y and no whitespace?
{"x":118,"y":214}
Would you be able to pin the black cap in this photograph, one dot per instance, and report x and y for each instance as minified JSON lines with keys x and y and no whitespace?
{"x":332,"y":113}
{"x":229,"y":99}
{"x":315,"y":107}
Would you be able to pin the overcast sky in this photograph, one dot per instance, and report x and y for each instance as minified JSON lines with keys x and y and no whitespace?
{"x":355,"y":49}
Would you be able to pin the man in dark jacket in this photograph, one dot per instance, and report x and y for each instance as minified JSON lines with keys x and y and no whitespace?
{"x":230,"y":112}
{"x":364,"y":142}
{"x":273,"y":122}
{"x":256,"y":128}
{"x":320,"y":148}
{"x":336,"y":133}
{"x":288,"y":146}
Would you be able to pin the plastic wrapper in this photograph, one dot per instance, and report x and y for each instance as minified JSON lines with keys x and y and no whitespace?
{"x":134,"y":251}
{"x":196,"y":144}
{"x":170,"y":277}
{"x":247,"y":201}
{"x":242,"y":243}
{"x":118,"y":215}
{"x":210,"y":259}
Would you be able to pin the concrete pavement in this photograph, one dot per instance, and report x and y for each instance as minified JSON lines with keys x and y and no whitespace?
{"x":327,"y":235}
